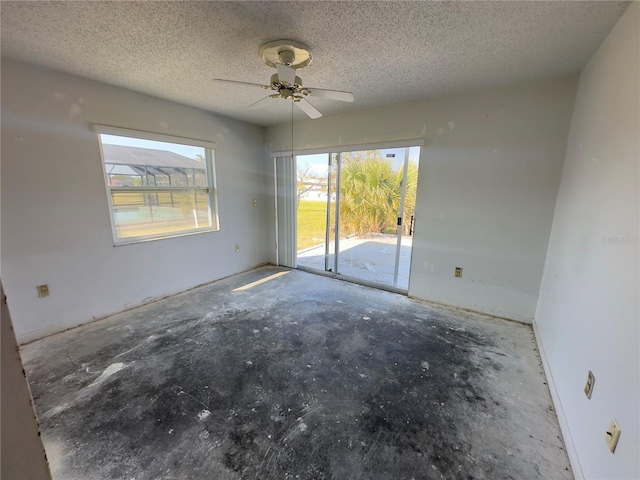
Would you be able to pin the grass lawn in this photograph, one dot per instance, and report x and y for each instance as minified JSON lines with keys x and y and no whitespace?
{"x":312,"y":219}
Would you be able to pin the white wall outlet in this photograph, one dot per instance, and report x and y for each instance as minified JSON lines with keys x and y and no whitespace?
{"x":43,"y":290}
{"x":255,"y":202}
{"x":237,"y":248}
{"x":612,"y":436}
{"x":588,"y":388}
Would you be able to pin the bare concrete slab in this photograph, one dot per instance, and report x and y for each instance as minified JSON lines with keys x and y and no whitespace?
{"x":299,"y":376}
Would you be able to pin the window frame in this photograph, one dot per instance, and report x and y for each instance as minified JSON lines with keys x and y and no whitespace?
{"x":211,"y":188}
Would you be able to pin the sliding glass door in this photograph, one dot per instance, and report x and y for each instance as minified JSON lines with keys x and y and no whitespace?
{"x":356,"y":212}
{"x":315,"y":200}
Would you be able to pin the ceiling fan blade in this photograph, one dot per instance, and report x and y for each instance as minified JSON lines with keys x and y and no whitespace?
{"x":233,"y":82}
{"x":307,"y":108}
{"x":286,"y":74}
{"x":258,"y":104}
{"x":331,"y":94}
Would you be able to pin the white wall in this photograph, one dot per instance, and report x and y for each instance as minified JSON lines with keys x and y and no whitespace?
{"x":489,"y":174}
{"x":588,"y":316}
{"x":55,"y":218}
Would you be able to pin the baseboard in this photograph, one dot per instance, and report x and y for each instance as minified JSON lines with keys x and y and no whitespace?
{"x":35,"y":335}
{"x":562,"y":419}
{"x":468,"y":310}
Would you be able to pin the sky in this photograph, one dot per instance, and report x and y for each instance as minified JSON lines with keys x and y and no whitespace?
{"x":184,"y":150}
{"x":318,"y":163}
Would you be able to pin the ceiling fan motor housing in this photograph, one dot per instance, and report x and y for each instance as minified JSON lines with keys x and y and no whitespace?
{"x":275,"y":82}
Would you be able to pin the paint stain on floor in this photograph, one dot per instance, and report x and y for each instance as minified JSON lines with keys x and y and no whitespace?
{"x":299,"y":377}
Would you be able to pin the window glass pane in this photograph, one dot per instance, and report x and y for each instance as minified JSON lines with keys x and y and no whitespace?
{"x":158,"y":188}
{"x":135,"y":161}
{"x":160,"y":213}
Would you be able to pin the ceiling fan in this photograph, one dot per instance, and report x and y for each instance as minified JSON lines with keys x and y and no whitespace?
{"x":286,"y":56}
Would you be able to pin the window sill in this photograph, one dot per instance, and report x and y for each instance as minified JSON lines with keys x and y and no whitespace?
{"x":132,"y":241}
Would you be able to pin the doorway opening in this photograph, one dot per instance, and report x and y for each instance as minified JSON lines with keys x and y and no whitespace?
{"x":356,"y":214}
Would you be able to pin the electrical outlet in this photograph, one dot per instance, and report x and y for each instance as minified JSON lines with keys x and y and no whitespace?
{"x":255,"y":202}
{"x":458,"y":272}
{"x":612,"y":436}
{"x":588,"y":388}
{"x":43,"y":290}
{"x":237,"y":248}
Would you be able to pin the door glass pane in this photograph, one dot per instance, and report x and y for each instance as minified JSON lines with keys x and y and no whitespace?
{"x":312,"y":198}
{"x":370,"y":197}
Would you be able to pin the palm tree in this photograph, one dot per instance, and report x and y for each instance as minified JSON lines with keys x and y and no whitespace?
{"x":371,"y":191}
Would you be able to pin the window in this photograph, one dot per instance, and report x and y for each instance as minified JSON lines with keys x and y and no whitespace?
{"x":158,"y":186}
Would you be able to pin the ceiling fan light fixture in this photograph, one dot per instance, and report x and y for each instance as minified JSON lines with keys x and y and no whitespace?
{"x":287,"y":57}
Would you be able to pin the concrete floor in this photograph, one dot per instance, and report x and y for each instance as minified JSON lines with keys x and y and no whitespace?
{"x":300,"y":377}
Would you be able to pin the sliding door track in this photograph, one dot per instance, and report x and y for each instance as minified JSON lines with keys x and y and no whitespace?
{"x":359,"y":281}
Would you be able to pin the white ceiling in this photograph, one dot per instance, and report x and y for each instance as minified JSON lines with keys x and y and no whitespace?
{"x":384,"y":52}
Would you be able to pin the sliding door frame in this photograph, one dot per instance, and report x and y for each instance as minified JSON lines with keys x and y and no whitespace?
{"x":405,"y":170}
{"x":336,"y":246}
{"x":338,"y":150}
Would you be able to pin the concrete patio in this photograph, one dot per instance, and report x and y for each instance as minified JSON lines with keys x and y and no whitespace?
{"x":366,"y":258}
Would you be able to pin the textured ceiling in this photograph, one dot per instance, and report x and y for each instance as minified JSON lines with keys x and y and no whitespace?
{"x":384,"y":52}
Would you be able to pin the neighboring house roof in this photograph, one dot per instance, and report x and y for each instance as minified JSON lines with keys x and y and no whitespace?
{"x":148,"y":157}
